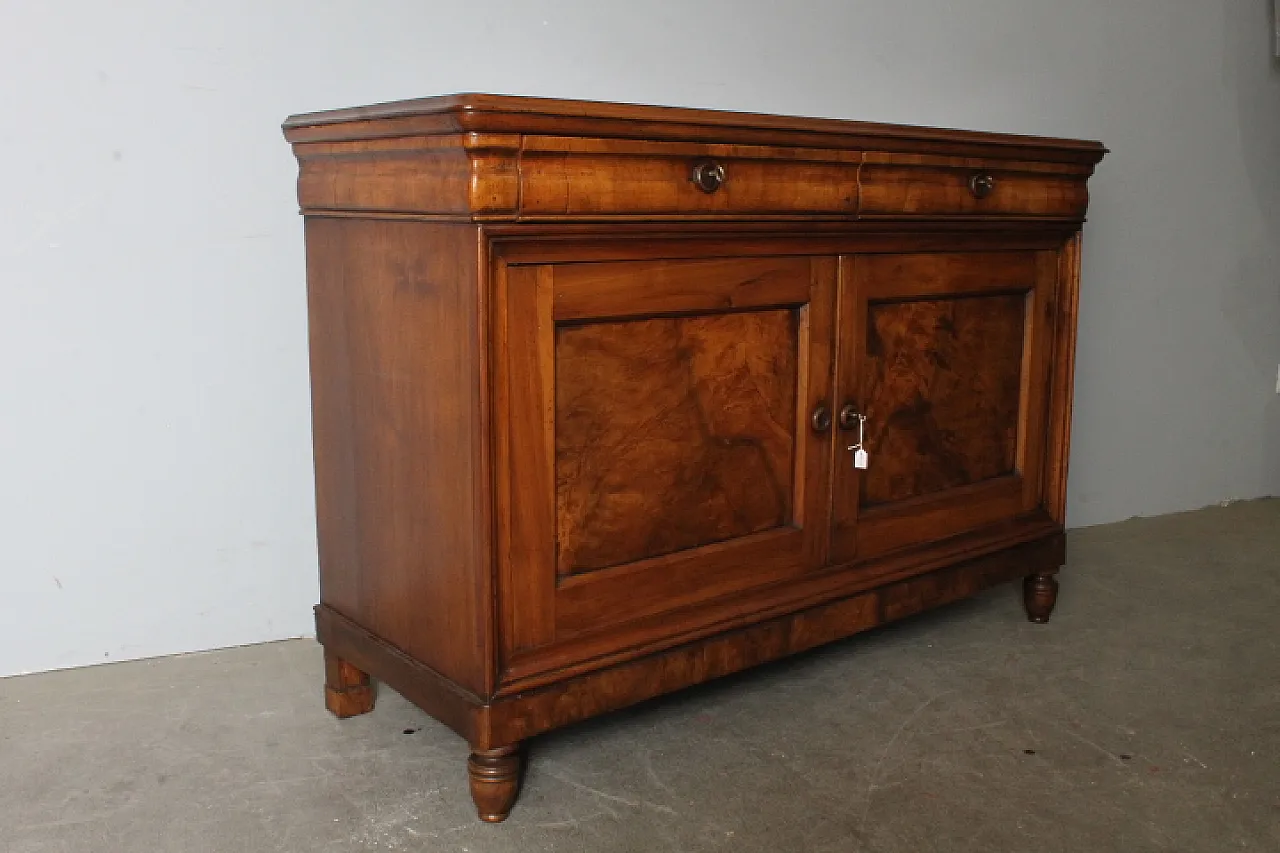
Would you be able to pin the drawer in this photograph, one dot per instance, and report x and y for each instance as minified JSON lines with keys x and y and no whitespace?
{"x":906,"y":185}
{"x":619,"y":178}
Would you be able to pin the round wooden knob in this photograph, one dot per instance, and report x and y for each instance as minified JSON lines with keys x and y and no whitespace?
{"x":821,"y":419}
{"x":708,"y":176}
{"x":982,"y":185}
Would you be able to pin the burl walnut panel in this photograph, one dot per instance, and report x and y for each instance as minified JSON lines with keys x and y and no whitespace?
{"x":672,"y":433}
{"x":942,"y":380}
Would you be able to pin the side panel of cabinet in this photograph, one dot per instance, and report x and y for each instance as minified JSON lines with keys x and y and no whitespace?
{"x":948,"y":358}
{"x":653,"y":442}
{"x":398,"y":422}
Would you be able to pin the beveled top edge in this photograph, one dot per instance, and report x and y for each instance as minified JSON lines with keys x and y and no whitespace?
{"x":477,"y":112}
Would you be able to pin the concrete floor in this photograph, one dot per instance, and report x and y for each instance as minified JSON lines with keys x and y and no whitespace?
{"x":1145,"y":717}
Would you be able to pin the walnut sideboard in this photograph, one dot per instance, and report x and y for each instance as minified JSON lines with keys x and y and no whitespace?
{"x":610,"y":400}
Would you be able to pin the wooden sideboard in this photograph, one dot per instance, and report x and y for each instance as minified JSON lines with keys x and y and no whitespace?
{"x":589,"y":379}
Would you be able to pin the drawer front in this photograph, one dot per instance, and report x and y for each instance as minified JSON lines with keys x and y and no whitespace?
{"x":655,"y":446}
{"x":922,"y":186}
{"x":597,"y":178}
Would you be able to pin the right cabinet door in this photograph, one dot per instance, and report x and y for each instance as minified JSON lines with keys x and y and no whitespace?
{"x":947,"y":358}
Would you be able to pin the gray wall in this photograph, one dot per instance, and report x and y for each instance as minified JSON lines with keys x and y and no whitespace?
{"x":155,"y":481}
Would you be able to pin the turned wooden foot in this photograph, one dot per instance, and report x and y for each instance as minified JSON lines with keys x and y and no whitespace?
{"x":1039,"y":594}
{"x":347,"y":691}
{"x":495,"y":780}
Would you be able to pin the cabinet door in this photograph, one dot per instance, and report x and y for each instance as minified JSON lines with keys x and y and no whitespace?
{"x":655,"y":446}
{"x":947,"y":357}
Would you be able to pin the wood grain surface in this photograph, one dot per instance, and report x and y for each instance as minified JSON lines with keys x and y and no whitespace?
{"x":942,"y":381}
{"x":588,"y":184}
{"x":396,"y":413}
{"x":893,"y":190}
{"x":672,"y":433}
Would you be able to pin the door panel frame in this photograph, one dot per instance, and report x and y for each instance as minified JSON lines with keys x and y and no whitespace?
{"x":600,"y":291}
{"x":525,"y":387}
{"x":538,"y":607}
{"x":859,"y":533}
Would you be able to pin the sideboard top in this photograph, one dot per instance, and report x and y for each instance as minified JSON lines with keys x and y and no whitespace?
{"x":509,"y":114}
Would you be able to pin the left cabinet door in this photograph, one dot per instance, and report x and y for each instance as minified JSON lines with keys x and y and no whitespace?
{"x":656,"y":446}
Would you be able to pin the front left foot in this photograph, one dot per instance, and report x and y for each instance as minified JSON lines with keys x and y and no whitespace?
{"x":495,"y":779}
